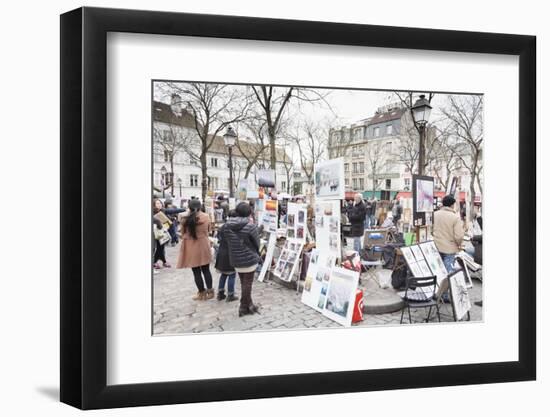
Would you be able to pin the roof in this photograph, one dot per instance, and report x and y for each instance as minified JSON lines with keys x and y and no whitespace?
{"x":392,"y":114}
{"x":162,"y":112}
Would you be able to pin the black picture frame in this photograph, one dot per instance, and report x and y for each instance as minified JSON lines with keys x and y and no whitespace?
{"x":84,"y":207}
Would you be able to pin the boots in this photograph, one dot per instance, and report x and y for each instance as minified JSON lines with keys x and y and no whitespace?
{"x":221,"y":295}
{"x":231,"y":297}
{"x":209,"y":294}
{"x":200,"y":296}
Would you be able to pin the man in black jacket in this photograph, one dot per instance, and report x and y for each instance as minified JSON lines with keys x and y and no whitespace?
{"x":356,"y":217}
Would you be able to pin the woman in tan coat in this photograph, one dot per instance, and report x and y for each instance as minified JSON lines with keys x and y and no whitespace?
{"x":195,"y":250}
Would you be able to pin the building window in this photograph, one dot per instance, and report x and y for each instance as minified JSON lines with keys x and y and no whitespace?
{"x":283,"y":185}
{"x":346,"y":167}
{"x":361,"y":184}
{"x":354,"y":183}
{"x":407,"y":183}
{"x":376,"y":132}
{"x":167,"y":179}
{"x":361,"y":167}
{"x":389,"y":129}
{"x":388,"y":184}
{"x":346,"y":181}
{"x":389,"y":147}
{"x":167,"y":155}
{"x":214,"y":162}
{"x":193,"y":180}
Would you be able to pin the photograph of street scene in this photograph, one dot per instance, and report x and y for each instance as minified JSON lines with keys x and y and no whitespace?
{"x":291,"y":207}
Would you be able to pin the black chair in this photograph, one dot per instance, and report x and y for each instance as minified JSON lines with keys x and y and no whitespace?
{"x":420,"y":293}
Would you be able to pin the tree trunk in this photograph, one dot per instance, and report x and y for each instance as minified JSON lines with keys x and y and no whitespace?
{"x":204,"y":172}
{"x":172,"y":175}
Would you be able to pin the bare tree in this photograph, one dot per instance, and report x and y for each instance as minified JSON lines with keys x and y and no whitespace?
{"x":213,"y":108}
{"x":375,"y":160}
{"x":465,"y":115}
{"x":310,"y":139}
{"x":274,"y":102}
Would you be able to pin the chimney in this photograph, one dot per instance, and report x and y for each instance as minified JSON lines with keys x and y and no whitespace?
{"x":175,"y":104}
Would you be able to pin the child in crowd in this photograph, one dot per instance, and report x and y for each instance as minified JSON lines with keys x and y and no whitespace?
{"x":224,"y":266}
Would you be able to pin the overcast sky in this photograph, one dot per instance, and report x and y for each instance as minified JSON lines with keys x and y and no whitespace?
{"x":349,"y":106}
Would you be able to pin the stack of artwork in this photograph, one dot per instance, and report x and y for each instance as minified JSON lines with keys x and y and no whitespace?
{"x":330,"y":289}
{"x":288,"y":259}
{"x":296,"y":222}
{"x":424,"y":260}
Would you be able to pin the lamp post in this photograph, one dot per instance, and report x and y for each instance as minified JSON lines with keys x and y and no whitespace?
{"x":179,"y":183}
{"x":421,"y":113}
{"x":163,"y":172}
{"x":229,"y":138}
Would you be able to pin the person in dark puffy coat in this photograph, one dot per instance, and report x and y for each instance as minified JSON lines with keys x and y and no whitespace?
{"x":243,"y":241}
{"x":356,"y":216}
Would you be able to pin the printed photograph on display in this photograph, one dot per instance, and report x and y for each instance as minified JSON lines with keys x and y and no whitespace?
{"x":329,"y":179}
{"x":299,"y":156}
{"x":459,"y":294}
{"x":341,"y":295}
{"x":424,"y":196}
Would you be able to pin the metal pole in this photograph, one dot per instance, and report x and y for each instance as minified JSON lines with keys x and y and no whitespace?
{"x":231,"y":172}
{"x":421,"y":149}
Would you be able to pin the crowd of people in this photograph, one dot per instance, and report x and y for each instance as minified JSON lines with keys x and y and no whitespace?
{"x":238,"y":249}
{"x":237,"y":252}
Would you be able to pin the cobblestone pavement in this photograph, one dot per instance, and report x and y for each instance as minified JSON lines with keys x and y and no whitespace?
{"x":174,"y":312}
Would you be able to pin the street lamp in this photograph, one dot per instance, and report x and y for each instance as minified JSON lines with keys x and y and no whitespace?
{"x":163,"y":172}
{"x":179,"y":183}
{"x":230,"y":138}
{"x":421,"y":113}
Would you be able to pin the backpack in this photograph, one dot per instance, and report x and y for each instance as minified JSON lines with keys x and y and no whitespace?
{"x":399,"y":277}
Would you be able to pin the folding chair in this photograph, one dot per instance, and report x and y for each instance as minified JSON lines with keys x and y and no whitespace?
{"x":420,"y":293}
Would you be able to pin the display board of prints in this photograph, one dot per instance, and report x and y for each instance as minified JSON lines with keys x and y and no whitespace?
{"x":268,"y":256}
{"x":459,"y":294}
{"x":327,"y":227}
{"x":329,"y":179}
{"x":269,"y":217}
{"x":424,"y":260}
{"x":296,"y":222}
{"x":329,"y":289}
{"x":288,"y":259}
{"x":317,"y":278}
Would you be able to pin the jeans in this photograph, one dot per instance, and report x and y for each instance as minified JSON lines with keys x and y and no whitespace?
{"x":230,"y":283}
{"x":448,"y":261}
{"x":205,"y":269}
{"x":371,"y":220}
{"x":357,"y":244}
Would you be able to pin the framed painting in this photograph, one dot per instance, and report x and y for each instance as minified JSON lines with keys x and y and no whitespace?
{"x":132,"y":83}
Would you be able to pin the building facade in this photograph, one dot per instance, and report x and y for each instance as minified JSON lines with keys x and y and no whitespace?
{"x":380,"y":155}
{"x":176,"y":151}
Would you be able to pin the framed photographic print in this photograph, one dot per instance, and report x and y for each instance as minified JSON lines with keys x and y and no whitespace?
{"x":134,"y":89}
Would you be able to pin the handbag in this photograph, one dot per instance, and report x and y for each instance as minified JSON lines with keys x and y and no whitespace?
{"x":161,"y":235}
